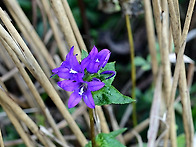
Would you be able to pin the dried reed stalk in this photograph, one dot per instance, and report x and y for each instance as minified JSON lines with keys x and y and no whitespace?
{"x":65,"y":26}
{"x":114,"y":123}
{"x":20,"y":114}
{"x":73,"y":25}
{"x":61,"y":45}
{"x":1,"y":139}
{"x":34,"y":92}
{"x":25,"y":55}
{"x":155,"y":112}
{"x":29,"y":39}
{"x":151,"y":36}
{"x":140,"y":127}
{"x":20,"y":82}
{"x":157,"y":13}
{"x":180,"y":70}
{"x":25,"y":137}
{"x":13,"y":6}
{"x":104,"y":125}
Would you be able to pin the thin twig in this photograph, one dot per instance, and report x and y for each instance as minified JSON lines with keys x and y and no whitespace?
{"x":133,"y":72}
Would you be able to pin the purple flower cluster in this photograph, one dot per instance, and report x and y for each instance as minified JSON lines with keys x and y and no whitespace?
{"x":76,"y":77}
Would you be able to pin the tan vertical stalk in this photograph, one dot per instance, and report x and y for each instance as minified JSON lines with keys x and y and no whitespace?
{"x":31,"y":31}
{"x":27,"y":58}
{"x":167,"y":75}
{"x":6,"y":100}
{"x":104,"y":125}
{"x":157,"y":14}
{"x":179,"y":64}
{"x":1,"y":139}
{"x":114,"y":123}
{"x":73,"y":25}
{"x":65,"y":26}
{"x":25,"y":137}
{"x":61,"y":45}
{"x":151,"y":36}
{"x":155,"y":111}
{"x":34,"y":92}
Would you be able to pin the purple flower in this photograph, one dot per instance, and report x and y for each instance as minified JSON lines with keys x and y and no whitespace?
{"x":70,"y":68}
{"x":94,"y":61}
{"x":112,"y":73}
{"x":81,"y":90}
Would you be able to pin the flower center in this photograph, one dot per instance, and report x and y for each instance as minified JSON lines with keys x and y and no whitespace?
{"x":97,"y":60}
{"x":72,"y":71}
{"x":81,"y":90}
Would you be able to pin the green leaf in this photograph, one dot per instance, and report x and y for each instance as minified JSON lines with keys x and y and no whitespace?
{"x":84,"y":54}
{"x":55,"y":76}
{"x":181,"y":141}
{"x":139,"y":61}
{"x":107,"y":140}
{"x":110,"y":95}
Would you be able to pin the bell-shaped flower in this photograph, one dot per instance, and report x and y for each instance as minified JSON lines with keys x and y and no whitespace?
{"x":95,"y":60}
{"x":81,"y":90}
{"x":70,"y":68}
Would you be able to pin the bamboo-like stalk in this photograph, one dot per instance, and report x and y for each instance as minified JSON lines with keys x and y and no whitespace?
{"x":1,"y":139}
{"x":151,"y":37}
{"x":167,"y":74}
{"x":140,"y":127}
{"x":6,"y":100}
{"x":179,"y":63}
{"x":34,"y":92}
{"x":104,"y":125}
{"x":73,"y":25}
{"x":25,"y":55}
{"x":25,"y":137}
{"x":12,"y":4}
{"x":20,"y":82}
{"x":157,"y":13}
{"x":114,"y":123}
{"x":65,"y":26}
{"x":155,"y":111}
{"x":39,"y":56}
{"x":61,"y":45}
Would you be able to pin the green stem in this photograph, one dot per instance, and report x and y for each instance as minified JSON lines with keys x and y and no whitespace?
{"x":133,"y":73}
{"x":92,"y":127}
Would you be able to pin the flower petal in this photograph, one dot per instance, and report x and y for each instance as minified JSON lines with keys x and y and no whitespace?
{"x":109,"y":72}
{"x":93,"y":52}
{"x":85,"y":62}
{"x":74,"y":99}
{"x":103,"y":57}
{"x":93,"y":67}
{"x":68,"y":85}
{"x":88,"y":99}
{"x":95,"y":85}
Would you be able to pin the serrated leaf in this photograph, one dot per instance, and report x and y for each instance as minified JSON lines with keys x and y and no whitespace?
{"x":84,"y":54}
{"x":107,"y":140}
{"x":110,"y":95}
